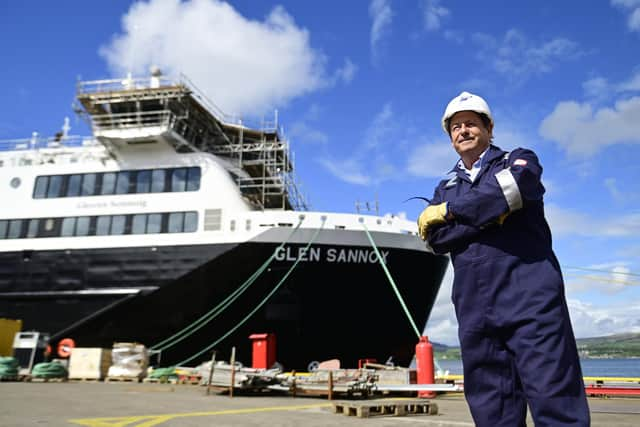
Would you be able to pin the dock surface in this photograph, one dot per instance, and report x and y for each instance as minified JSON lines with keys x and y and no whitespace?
{"x":167,"y":405}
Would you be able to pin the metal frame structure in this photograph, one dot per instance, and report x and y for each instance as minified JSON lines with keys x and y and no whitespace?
{"x":136,"y":110}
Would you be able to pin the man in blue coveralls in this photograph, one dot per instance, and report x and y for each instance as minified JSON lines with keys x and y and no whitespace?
{"x":516,"y":339}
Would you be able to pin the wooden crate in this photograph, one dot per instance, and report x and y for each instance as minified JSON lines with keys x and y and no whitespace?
{"x":89,"y":363}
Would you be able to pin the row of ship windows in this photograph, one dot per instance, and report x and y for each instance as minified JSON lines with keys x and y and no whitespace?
{"x":103,"y":225}
{"x":122,"y":182}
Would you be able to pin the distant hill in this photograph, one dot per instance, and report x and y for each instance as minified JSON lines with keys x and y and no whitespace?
{"x":611,"y":346}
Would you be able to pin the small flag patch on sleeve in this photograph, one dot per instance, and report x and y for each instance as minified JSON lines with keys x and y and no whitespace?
{"x":520,"y":162}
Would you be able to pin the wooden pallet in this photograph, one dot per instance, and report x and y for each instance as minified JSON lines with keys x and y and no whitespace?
{"x":10,"y":378}
{"x":386,"y":407}
{"x":135,"y":379}
{"x":85,"y":380}
{"x":46,"y":380}
{"x":163,"y":380}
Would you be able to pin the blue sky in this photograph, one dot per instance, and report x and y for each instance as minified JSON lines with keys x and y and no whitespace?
{"x":360,"y":87}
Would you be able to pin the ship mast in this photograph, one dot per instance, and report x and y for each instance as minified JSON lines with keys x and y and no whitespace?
{"x":139,"y":110}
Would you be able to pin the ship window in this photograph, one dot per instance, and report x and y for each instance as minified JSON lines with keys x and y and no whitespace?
{"x":157,"y":181}
{"x":32,"y":231}
{"x":190,"y":222}
{"x":138,"y":224}
{"x":248,"y":225}
{"x":178,"y":179}
{"x":232,"y":225}
{"x":55,"y":184}
{"x":193,"y":179}
{"x":73,"y":187}
{"x":102,"y":225}
{"x":15,"y":227}
{"x":176,"y":220}
{"x":108,"y":183}
{"x":67,"y":226}
{"x":82,"y":226}
{"x":40,"y":190}
{"x":118,"y":223}
{"x":143,"y":181}
{"x":122,"y":186}
{"x":89,"y":184}
{"x":3,"y":229}
{"x":154,"y":223}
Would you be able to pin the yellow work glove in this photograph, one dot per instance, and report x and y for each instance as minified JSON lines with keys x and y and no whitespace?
{"x":432,"y":215}
{"x":502,"y":218}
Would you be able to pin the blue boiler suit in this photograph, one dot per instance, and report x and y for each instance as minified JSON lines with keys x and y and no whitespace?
{"x":515,"y":333}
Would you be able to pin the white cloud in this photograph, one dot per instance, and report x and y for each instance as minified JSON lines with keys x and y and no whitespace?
{"x":616,"y":194}
{"x":432,"y":159}
{"x":454,"y":36}
{"x":380,"y":129}
{"x":610,"y":278}
{"x":348,"y":170}
{"x":442,"y":326}
{"x":520,"y":58}
{"x":346,"y":73}
{"x":369,"y":161}
{"x":303,"y":133}
{"x":433,"y":13}
{"x":597,"y":88}
{"x":568,"y":222}
{"x":581,"y":131}
{"x":631,"y":85}
{"x":594,"y":321}
{"x":221,"y":51}
{"x":382,"y":15}
{"x":633,"y":7}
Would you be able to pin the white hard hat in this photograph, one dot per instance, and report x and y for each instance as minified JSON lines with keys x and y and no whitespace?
{"x":465,"y":102}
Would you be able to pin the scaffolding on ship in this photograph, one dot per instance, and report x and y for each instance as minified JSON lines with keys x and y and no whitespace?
{"x":138,"y":110}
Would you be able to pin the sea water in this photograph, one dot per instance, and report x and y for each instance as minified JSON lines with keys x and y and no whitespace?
{"x":590,"y":367}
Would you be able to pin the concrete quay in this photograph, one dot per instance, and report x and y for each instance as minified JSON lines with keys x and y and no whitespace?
{"x":129,"y":404}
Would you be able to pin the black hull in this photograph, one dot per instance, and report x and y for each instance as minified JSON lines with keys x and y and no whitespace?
{"x":327,"y":308}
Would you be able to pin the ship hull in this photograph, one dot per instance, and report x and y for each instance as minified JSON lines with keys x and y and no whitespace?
{"x":335,"y":302}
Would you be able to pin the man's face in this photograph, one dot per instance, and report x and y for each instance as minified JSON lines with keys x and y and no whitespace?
{"x":469,"y":136}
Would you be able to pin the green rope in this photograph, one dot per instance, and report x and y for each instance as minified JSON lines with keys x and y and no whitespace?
{"x":223,"y":305}
{"x":263,"y":302}
{"x":8,"y":367}
{"x":393,"y":284}
{"x":395,"y":289}
{"x":49,"y":370}
{"x":161,"y":373}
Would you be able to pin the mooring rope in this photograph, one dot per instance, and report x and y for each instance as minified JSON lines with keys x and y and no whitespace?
{"x":263,"y":302}
{"x":395,"y":289}
{"x":392,"y":282}
{"x":223,"y":305}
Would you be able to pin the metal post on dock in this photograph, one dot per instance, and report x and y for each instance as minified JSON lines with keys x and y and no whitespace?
{"x":233,"y":370}
{"x":213,"y":362}
{"x":293,"y":383}
{"x":330,"y":395}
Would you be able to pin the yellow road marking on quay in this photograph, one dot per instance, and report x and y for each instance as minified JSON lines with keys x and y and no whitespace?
{"x":154,"y":420}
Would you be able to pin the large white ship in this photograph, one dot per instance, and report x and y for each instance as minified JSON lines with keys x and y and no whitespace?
{"x":173,"y":215}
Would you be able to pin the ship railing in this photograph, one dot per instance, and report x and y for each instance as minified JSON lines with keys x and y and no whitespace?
{"x":162,"y":82}
{"x":38,"y":143}
{"x":137,"y":119}
{"x":267,"y":185}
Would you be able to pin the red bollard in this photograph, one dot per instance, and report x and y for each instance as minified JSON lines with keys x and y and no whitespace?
{"x":424,"y":366}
